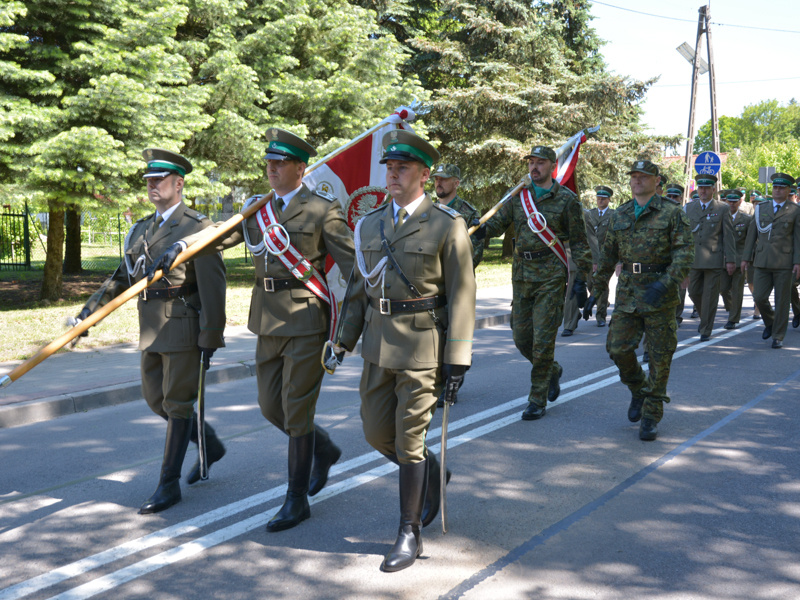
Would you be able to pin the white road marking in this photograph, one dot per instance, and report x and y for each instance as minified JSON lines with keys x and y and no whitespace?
{"x":197,"y":546}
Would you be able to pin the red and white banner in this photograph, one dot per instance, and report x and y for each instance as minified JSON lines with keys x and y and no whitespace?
{"x":358,"y":181}
{"x":564,"y":171}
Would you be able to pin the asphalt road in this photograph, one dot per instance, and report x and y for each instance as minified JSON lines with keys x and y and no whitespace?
{"x":573,"y":506}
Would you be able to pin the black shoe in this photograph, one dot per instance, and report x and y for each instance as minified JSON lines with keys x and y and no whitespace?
{"x":705,"y":338}
{"x":767,"y":333}
{"x":635,"y":408}
{"x":295,"y":508}
{"x":730,"y":325}
{"x":796,"y":321}
{"x":777,"y":343}
{"x":566,"y":333}
{"x":648,"y":430}
{"x":214,"y":450}
{"x":646,"y":357}
{"x":694,"y":314}
{"x":756,"y":317}
{"x":408,"y":545}
{"x":533,"y":412}
{"x":601,"y":322}
{"x":168,"y":492}
{"x":326,"y":453}
{"x":433,"y":494}
{"x":555,"y":386}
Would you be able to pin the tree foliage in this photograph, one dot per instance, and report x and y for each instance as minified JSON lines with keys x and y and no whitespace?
{"x":761,"y":123}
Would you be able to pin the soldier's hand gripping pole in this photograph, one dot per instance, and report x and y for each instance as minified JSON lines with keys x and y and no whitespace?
{"x":453,"y":378}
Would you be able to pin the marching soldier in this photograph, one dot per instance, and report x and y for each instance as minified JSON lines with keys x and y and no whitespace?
{"x":597,"y":221}
{"x":413,"y":303}
{"x":714,"y":251}
{"x":773,"y":247}
{"x":290,"y":310}
{"x":652,"y":239}
{"x":447,"y":178}
{"x":732,"y":286}
{"x":795,"y":292}
{"x":181,"y":318}
{"x":546,"y":216}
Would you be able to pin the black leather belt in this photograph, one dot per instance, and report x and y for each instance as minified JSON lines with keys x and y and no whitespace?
{"x":274,"y":285}
{"x":389,"y":307}
{"x":168,"y":292}
{"x":531,"y":255}
{"x":637,"y":268}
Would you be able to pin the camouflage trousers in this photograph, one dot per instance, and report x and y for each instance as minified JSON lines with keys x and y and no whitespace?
{"x":535,"y":316}
{"x":624,"y":334}
{"x":602,"y":301}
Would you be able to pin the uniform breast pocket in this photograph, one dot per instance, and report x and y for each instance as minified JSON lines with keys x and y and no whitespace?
{"x":303,"y":236}
{"x":423,"y":255}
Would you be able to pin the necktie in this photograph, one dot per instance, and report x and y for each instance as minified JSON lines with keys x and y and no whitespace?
{"x":777,"y":208}
{"x":279,"y":205}
{"x":705,"y":207}
{"x":156,"y":224}
{"x":401,"y":216}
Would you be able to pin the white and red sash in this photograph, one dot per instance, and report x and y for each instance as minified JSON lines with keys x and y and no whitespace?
{"x":276,"y":240}
{"x":538,"y":225}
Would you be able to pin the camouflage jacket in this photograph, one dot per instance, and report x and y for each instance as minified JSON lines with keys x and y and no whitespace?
{"x":470,"y":214}
{"x":564,"y":214}
{"x":660,"y":236}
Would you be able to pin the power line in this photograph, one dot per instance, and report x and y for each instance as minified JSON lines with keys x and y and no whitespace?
{"x":691,"y":20}
{"x":724,"y":82}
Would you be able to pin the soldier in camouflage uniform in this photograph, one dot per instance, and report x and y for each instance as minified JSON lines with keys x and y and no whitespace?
{"x":539,"y":277}
{"x":447,"y":178}
{"x":653,"y":240}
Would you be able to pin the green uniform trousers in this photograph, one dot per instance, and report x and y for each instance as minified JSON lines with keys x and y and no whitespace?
{"x":704,"y":292}
{"x":289,"y":376}
{"x":169,"y":382}
{"x":624,"y":334}
{"x":396,"y":409}
{"x":731,"y":288}
{"x":535,"y":316}
{"x":764,"y":281}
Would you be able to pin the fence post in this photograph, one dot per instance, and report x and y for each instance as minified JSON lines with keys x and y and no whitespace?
{"x":27,"y":237}
{"x":119,"y":235}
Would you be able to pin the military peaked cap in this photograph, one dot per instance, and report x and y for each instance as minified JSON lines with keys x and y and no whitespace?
{"x":706,"y":180}
{"x":161,"y":163}
{"x":604,"y":190}
{"x":782,"y":180}
{"x":287,"y":146}
{"x":674,"y":189}
{"x":733,"y":195}
{"x":399,"y":144}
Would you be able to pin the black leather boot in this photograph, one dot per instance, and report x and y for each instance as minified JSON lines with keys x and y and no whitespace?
{"x":214,"y":450}
{"x":433,"y":493}
{"x":168,"y":491}
{"x":408,"y":545}
{"x":295,"y":508}
{"x":326,"y":453}
{"x":635,"y":408}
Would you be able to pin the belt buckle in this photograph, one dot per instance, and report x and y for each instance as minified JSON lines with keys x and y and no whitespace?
{"x":385,"y":305}
{"x":527,"y":255}
{"x":269,"y":284}
{"x":637,"y":268}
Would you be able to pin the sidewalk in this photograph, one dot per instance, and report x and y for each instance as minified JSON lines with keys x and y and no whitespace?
{"x":86,"y":379}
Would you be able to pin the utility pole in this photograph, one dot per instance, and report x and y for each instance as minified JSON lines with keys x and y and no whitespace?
{"x":702,"y":29}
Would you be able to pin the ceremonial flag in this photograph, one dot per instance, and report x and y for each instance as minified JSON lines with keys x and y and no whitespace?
{"x":564,"y":171}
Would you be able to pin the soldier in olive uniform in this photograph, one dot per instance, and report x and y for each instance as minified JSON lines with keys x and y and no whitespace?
{"x":181,"y":318}
{"x":597,"y":221}
{"x":572,"y":314}
{"x":773,"y":246}
{"x":714,"y":251}
{"x":447,"y":178}
{"x":539,"y":276}
{"x":732,"y":286}
{"x":795,"y":291}
{"x":292,"y":322}
{"x":413,"y":301}
{"x":652,"y":238}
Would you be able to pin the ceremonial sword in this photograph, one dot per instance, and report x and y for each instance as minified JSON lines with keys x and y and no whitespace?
{"x":201,"y":419}
{"x":450,"y":395}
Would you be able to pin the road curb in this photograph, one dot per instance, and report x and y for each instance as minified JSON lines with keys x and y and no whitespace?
{"x":52,"y":407}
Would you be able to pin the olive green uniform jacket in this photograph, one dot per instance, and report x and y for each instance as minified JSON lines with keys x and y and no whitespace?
{"x":778,"y":248}
{"x":714,"y":243}
{"x":596,"y":229}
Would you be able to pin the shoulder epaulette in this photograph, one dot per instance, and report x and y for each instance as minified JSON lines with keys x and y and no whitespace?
{"x":450,"y":211}
{"x":144,"y":218}
{"x":379,"y":207}
{"x":325,"y":195}
{"x":197,"y":216}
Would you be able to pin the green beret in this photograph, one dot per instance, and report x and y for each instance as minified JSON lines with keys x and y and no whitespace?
{"x":604,"y":191}
{"x":542,"y":152}
{"x":161,"y":163}
{"x":447,"y":170}
{"x":644,"y":166}
{"x":287,"y":146}
{"x":399,"y":144}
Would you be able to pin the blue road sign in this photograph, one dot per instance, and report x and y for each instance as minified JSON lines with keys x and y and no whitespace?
{"x":707,"y":163}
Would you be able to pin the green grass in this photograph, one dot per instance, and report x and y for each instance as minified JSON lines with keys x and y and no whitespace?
{"x":23,"y":331}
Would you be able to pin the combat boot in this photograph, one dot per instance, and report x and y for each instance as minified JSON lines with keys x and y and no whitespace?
{"x":326,"y":453}
{"x":168,"y":491}
{"x":408,"y":545}
{"x":433,"y":492}
{"x":635,"y":408}
{"x":648,"y":429}
{"x":555,"y":384}
{"x":215,"y":450}
{"x":295,"y":508}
